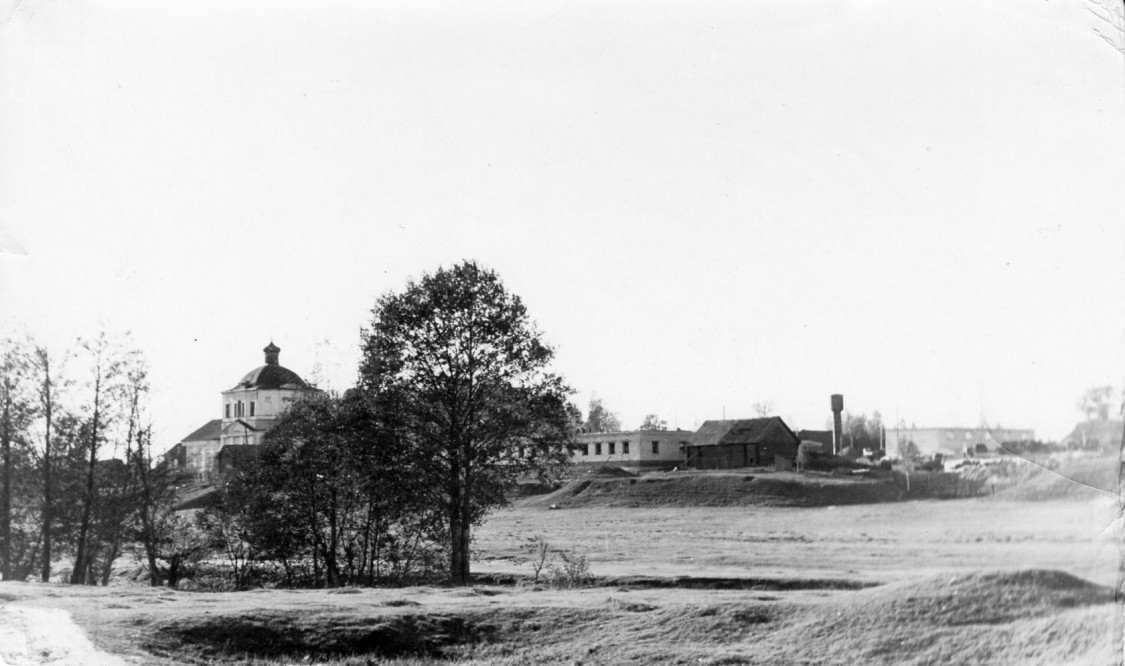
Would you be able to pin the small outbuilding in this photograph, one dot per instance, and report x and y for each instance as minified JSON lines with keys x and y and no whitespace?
{"x":736,"y":443}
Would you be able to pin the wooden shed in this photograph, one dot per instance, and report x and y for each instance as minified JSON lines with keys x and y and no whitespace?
{"x":741,"y":443}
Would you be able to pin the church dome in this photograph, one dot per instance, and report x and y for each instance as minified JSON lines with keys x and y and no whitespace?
{"x":271,"y":375}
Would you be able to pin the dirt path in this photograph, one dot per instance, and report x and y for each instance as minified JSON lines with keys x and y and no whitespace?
{"x":33,"y":636}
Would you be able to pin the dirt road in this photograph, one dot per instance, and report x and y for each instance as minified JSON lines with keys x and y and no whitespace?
{"x":34,"y":636}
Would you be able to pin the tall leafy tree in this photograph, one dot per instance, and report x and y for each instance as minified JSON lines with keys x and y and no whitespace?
{"x":653,"y":422}
{"x":1097,"y":402}
{"x":457,"y":363}
{"x":600,"y":419}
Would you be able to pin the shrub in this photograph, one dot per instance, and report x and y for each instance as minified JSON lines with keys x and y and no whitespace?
{"x":541,"y":554}
{"x":573,"y":572}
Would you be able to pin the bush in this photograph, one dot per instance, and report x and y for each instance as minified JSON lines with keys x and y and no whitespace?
{"x":566,"y":569}
{"x":573,"y":572}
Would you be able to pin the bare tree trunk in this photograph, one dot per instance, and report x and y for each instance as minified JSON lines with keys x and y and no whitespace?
{"x":456,"y":526}
{"x":114,"y":550}
{"x":81,"y":558}
{"x":127,"y":483}
{"x":47,"y":400}
{"x":6,"y":494}
{"x":148,"y":509}
{"x":466,"y":526}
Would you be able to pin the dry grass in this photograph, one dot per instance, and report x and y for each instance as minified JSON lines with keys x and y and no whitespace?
{"x":1052,"y":479}
{"x":998,"y":617}
{"x":967,"y":581}
{"x":872,"y":543}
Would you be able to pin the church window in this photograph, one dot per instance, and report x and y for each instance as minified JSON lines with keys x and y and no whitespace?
{"x":228,"y":410}
{"x":251,"y":408}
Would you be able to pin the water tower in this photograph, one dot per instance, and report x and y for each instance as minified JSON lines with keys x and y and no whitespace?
{"x":837,"y":424}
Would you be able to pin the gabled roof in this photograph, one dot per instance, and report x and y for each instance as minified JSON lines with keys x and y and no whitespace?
{"x":210,"y":430}
{"x":742,"y":431}
{"x":1103,"y":432}
{"x":238,"y":422}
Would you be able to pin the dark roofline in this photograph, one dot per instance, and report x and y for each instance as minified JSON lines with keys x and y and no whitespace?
{"x":247,"y":425}
{"x":716,"y":430}
{"x":200,"y":433}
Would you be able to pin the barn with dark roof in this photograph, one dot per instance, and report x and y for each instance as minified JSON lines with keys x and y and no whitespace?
{"x":741,"y":443}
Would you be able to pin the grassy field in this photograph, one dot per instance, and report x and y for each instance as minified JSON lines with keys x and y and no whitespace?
{"x":874,"y":542}
{"x":973,"y":581}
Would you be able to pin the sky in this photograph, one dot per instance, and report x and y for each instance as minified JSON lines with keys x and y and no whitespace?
{"x":703,"y":205}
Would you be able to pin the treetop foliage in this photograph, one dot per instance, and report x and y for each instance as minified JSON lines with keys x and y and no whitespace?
{"x":600,"y":419}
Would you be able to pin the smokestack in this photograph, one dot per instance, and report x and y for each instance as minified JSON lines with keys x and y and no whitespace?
{"x":837,"y":425}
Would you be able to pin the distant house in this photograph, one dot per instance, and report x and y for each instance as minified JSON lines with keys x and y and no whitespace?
{"x":635,"y":449}
{"x":1099,"y":434}
{"x":249,"y":409}
{"x":741,"y":443}
{"x":197,"y":451}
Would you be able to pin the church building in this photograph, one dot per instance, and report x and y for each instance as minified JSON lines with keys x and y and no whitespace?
{"x":249,"y":409}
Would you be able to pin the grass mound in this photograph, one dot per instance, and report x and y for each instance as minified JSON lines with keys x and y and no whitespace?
{"x":278,"y":633}
{"x":1075,"y":479}
{"x":983,"y":598}
{"x":610,"y":471}
{"x":1016,"y":617}
{"x":720,"y":489}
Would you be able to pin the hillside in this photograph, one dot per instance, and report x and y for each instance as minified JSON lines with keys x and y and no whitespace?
{"x":750,"y":487}
{"x":1013,"y":479}
{"x":1051,"y":479}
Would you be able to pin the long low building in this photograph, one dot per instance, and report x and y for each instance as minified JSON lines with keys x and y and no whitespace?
{"x":632,"y":449}
{"x":725,"y":444}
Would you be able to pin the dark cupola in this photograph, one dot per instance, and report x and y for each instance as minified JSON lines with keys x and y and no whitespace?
{"x":272,"y":352}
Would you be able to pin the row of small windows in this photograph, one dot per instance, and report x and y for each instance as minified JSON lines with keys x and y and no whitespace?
{"x":611,"y":448}
{"x":239,"y":409}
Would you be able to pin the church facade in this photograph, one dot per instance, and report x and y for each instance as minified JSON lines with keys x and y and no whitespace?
{"x":249,"y":409}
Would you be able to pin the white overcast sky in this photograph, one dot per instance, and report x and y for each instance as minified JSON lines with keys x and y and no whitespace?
{"x":703,"y":204}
